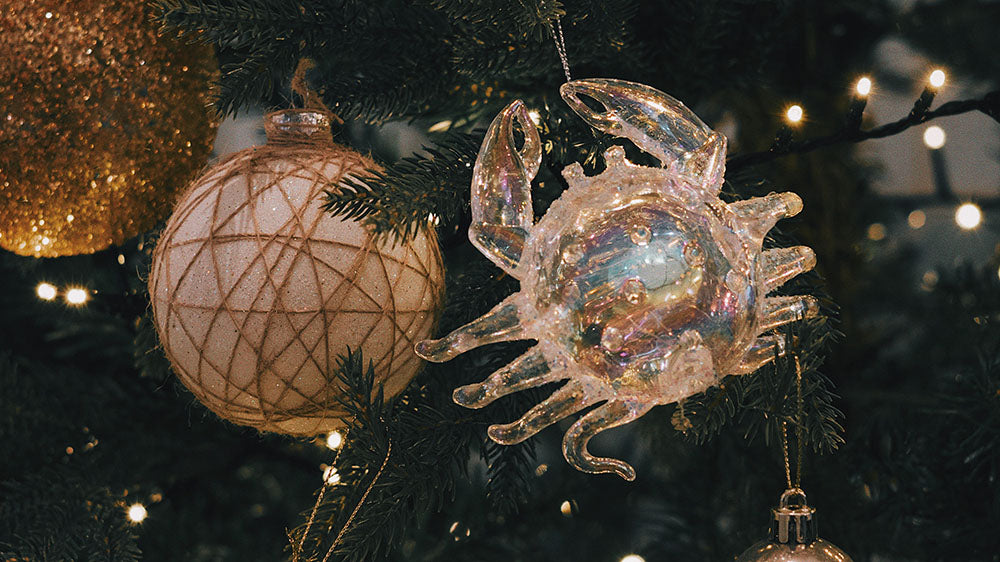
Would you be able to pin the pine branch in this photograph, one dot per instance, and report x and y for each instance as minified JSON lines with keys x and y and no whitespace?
{"x":988,"y":104}
{"x":399,"y":200}
{"x":243,"y":24}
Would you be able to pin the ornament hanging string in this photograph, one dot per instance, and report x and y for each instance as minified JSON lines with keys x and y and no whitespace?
{"x":310,"y":98}
{"x":560,"y":41}
{"x":357,"y":508}
{"x":297,"y":553}
{"x":799,"y":434}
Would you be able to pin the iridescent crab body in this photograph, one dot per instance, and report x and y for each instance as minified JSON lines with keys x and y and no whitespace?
{"x":641,"y":286}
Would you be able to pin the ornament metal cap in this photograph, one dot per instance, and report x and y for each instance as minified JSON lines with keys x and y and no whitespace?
{"x":794,"y":522}
{"x":793,"y":535}
{"x":298,"y":125}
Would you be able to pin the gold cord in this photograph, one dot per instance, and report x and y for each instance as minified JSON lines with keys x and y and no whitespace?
{"x":357,"y":508}
{"x":319,"y":500}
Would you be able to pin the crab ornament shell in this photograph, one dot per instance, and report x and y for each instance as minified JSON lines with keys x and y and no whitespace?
{"x":640,"y":284}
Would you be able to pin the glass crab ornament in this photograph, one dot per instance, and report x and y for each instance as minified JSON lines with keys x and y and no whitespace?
{"x":640,"y":284}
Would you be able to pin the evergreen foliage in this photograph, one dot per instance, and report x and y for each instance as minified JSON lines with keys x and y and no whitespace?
{"x":91,"y":418}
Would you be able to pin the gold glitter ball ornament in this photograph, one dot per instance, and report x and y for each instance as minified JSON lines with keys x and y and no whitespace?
{"x":102,"y":122}
{"x":257,"y":290}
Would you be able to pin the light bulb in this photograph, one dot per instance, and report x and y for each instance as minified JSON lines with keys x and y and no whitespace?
{"x":46,"y":291}
{"x":794,"y":114}
{"x":566,"y":508}
{"x":937,"y":78}
{"x":76,"y":296}
{"x":876,"y":231}
{"x":968,"y":216}
{"x":334,"y":439}
{"x":934,"y":137}
{"x":331,"y":476}
{"x":864,"y":86}
{"x":137,"y":513}
{"x":917,"y":219}
{"x":633,"y":558}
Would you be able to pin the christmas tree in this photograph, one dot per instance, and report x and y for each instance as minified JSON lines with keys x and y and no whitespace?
{"x":883,"y":404}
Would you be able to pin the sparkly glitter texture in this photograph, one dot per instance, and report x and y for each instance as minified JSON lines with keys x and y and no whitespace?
{"x":641,"y":286}
{"x":257,"y":291}
{"x":102,"y":122}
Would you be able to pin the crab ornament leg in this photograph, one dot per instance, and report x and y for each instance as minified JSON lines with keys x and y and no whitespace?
{"x":503,"y":323}
{"x":640,"y":284}
{"x":527,"y":371}
{"x":611,"y":414}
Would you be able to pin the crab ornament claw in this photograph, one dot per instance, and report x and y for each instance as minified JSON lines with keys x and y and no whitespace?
{"x":656,"y":123}
{"x":640,"y":285}
{"x":501,"y":187}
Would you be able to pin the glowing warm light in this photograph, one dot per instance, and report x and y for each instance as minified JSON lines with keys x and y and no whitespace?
{"x":121,"y":259}
{"x":864,"y":86}
{"x":916,"y":219}
{"x":876,"y":231}
{"x":331,"y":476}
{"x":934,"y":137}
{"x":440,"y":126}
{"x":76,"y":296}
{"x":334,"y":439}
{"x":937,"y":78}
{"x":46,"y":291}
{"x":536,"y":117}
{"x":566,"y":508}
{"x":633,"y":558}
{"x":69,"y":218}
{"x":998,"y":272}
{"x":929,"y":280}
{"x":794,"y":114}
{"x":968,"y":216}
{"x":137,"y":513}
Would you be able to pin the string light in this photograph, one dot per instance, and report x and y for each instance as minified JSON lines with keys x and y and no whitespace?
{"x":334,"y":440}
{"x":633,"y":558}
{"x":331,"y":476}
{"x":137,"y":513}
{"x":937,"y":78}
{"x":794,"y":114}
{"x":864,"y":86}
{"x":968,"y":216}
{"x":934,"y":137}
{"x":916,"y":219}
{"x":76,"y":296}
{"x":566,"y":508}
{"x":876,"y":231}
{"x":46,"y":291}
{"x":929,"y":280}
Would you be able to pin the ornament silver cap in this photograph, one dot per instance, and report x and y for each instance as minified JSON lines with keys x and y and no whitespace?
{"x":793,"y":535}
{"x":794,"y":521}
{"x":297,"y":126}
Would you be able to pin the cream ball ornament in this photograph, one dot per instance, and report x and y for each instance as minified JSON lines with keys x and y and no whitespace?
{"x":256,"y":290}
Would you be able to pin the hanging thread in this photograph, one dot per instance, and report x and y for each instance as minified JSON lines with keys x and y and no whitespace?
{"x":799,"y":434}
{"x":297,"y":553}
{"x":310,"y":98}
{"x":357,"y":508}
{"x":560,"y":41}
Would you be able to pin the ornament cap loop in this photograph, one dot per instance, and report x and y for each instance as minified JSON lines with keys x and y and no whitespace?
{"x":794,"y":521}
{"x":298,"y":126}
